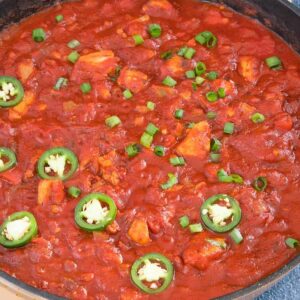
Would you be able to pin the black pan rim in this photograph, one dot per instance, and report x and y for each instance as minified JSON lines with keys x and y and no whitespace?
{"x":250,"y":291}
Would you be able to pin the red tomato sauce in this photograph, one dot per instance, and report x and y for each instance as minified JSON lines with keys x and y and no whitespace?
{"x":67,"y":261}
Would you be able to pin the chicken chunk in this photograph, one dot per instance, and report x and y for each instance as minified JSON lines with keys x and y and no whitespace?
{"x":173,"y":67}
{"x":132,"y":79}
{"x":95,"y":65}
{"x":202,"y":250}
{"x":108,"y":167}
{"x":139,"y":232}
{"x":50,"y":191}
{"x":197,"y":141}
{"x":249,"y":67}
{"x":160,"y":9}
{"x":18,"y":111}
{"x":25,"y":69}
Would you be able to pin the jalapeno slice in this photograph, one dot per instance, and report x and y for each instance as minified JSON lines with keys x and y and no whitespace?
{"x":221,"y":213}
{"x":18,"y":229}
{"x":152,"y":273}
{"x":11,"y":91}
{"x":95,"y":212}
{"x":7,"y":159}
{"x":57,"y":163}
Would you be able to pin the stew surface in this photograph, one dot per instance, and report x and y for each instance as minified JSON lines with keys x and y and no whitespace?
{"x":147,"y":147}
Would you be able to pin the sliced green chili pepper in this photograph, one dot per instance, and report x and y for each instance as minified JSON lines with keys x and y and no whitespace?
{"x":57,"y":163}
{"x":7,"y":159}
{"x":11,"y":91}
{"x":11,"y":238}
{"x":152,"y":282}
{"x":221,"y":213}
{"x":91,"y":215}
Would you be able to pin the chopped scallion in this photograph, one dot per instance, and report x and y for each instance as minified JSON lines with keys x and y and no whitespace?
{"x":215,"y":145}
{"x":73,"y":57}
{"x":127,"y":94}
{"x":179,"y":113}
{"x":211,"y":115}
{"x":274,"y":63}
{"x":59,"y":18}
{"x":292,"y":243}
{"x":260,"y":183}
{"x":190,"y":74}
{"x":195,"y":228}
{"x":74,"y":191}
{"x":86,"y":87}
{"x":189,"y":53}
{"x":159,"y":150}
{"x":61,"y":82}
{"x":138,"y":39}
{"x":184,"y":221}
{"x":228,"y":128}
{"x":154,"y":30}
{"x":113,"y":121}
{"x":169,"y":81}
{"x":38,"y":35}
{"x":73,"y":44}
{"x":212,"y":96}
{"x":236,"y":236}
{"x":150,"y":105}
{"x":257,"y":118}
{"x":173,"y":180}
{"x":146,"y":140}
{"x":151,"y":129}
{"x":221,"y":93}
{"x":200,"y":68}
{"x":177,"y":161}
{"x":132,"y":150}
{"x":212,"y":75}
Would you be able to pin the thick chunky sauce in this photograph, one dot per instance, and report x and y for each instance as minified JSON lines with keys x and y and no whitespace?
{"x":67,"y":261}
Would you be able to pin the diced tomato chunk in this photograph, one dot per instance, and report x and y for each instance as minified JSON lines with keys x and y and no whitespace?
{"x":197,"y":141}
{"x":25,"y":69}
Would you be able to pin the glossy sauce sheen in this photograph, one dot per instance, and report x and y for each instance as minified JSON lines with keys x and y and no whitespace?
{"x":67,"y":261}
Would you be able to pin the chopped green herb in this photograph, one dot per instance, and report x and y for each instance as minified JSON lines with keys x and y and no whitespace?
{"x":229,"y":128}
{"x":215,"y":157}
{"x":61,"y":82}
{"x":151,"y":129}
{"x":112,"y":121}
{"x":59,"y":18}
{"x":200,"y":68}
{"x":212,"y":96}
{"x":177,"y":161}
{"x":73,"y":57}
{"x":233,"y":178}
{"x":211,"y":115}
{"x":146,"y":140}
{"x":179,"y":113}
{"x":236,"y":236}
{"x":159,"y":150}
{"x":73,"y":44}
{"x":138,"y":39}
{"x":207,"y":39}
{"x":169,"y":81}
{"x":274,"y":63}
{"x":132,"y":150}
{"x":74,"y":191}
{"x":195,"y":228}
{"x":189,"y":53}
{"x":127,"y":94}
{"x":257,"y":118}
{"x":221,"y":93}
{"x":184,"y":221}
{"x":190,"y":74}
{"x":154,"y":30}
{"x":38,"y":35}
{"x":212,"y":75}
{"x":150,"y":105}
{"x":166,"y":55}
{"x":173,"y":180}
{"x":86,"y":87}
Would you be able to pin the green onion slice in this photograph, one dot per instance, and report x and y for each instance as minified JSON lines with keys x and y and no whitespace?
{"x":113,"y":121}
{"x":169,"y":81}
{"x":177,"y":161}
{"x":154,"y":30}
{"x":173,"y":180}
{"x":292,"y":243}
{"x":236,"y":236}
{"x":184,"y":221}
{"x":260,"y":183}
{"x":159,"y":150}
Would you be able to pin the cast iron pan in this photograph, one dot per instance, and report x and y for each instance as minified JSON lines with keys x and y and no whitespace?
{"x":278,"y":15}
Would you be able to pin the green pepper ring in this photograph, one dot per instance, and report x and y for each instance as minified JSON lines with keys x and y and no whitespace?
{"x":152,"y":256}
{"x":237,"y":213}
{"x":18,"y":86}
{"x":71,"y":157}
{"x":104,"y":223}
{"x":28,"y":236}
{"x":11,"y":156}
